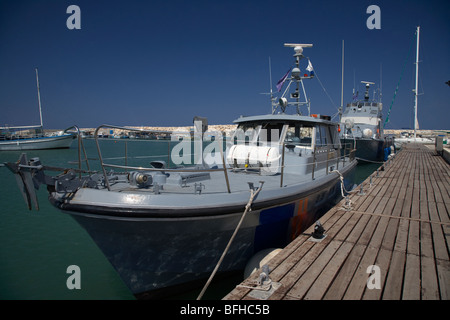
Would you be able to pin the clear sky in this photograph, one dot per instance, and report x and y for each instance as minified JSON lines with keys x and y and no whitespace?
{"x":160,"y":63}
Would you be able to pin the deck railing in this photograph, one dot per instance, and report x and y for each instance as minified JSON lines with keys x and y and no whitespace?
{"x":104,"y":165}
{"x":339,"y":156}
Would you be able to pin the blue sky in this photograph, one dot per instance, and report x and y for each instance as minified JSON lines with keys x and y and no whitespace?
{"x":160,"y":63}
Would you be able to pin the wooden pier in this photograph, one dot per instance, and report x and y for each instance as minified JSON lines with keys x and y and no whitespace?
{"x":400,"y":225}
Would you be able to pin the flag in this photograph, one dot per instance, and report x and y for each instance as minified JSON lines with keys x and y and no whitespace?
{"x":281,"y":81}
{"x":309,"y":67}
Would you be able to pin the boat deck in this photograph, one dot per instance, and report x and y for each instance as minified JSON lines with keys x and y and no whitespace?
{"x":401,"y":225}
{"x":239,"y":180}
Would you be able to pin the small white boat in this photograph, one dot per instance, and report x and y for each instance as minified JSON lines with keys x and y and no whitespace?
{"x":33,"y":137}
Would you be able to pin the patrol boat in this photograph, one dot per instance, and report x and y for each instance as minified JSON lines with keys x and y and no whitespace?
{"x":361,"y":125}
{"x":164,"y":227}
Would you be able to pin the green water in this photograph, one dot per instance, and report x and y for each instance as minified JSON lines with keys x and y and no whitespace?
{"x":36,"y":247}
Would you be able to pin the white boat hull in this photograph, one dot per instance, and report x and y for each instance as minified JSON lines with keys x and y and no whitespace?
{"x":399,"y":142}
{"x":56,"y":142}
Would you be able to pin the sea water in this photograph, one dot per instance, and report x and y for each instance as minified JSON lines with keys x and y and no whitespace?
{"x":38,"y":247}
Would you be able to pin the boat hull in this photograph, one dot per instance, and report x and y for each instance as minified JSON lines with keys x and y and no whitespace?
{"x":153,"y":254}
{"x":369,"y":150}
{"x":400,"y":142}
{"x":56,"y":142}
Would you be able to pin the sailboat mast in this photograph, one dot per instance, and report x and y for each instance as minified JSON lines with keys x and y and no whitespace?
{"x":417,"y":83}
{"x":39,"y":98}
{"x":342,"y":83}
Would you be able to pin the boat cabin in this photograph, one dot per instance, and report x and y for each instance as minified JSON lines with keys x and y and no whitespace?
{"x":264,"y":143}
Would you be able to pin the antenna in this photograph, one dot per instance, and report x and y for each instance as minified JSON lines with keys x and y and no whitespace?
{"x":270,"y":76}
{"x":298,"y":48}
{"x":366,"y":94}
{"x":272,"y":99}
{"x":297,"y":78}
{"x":303,"y":45}
{"x":380,"y":97}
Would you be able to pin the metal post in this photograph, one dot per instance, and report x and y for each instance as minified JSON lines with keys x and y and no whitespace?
{"x":224,"y":165}
{"x":345,"y":151}
{"x":100,"y":158}
{"x":126,"y":154}
{"x":314,"y":161}
{"x":168,"y":154}
{"x":282,"y":167}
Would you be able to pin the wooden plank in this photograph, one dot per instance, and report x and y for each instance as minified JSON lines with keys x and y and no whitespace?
{"x":339,"y":285}
{"x":401,"y":241}
{"x":437,"y":232}
{"x":413,"y":238}
{"x":443,"y":268}
{"x":426,"y":243}
{"x":299,"y":269}
{"x":382,"y":261}
{"x":394,"y":282}
{"x":411,"y":283}
{"x":306,"y":280}
{"x":322,"y":283}
{"x":430,"y":288}
{"x":358,"y":282}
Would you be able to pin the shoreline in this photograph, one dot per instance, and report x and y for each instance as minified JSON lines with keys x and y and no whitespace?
{"x":228,"y":128}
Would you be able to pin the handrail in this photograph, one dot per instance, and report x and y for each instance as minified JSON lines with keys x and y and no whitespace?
{"x":80,"y":146}
{"x":315,"y":150}
{"x":184,"y":169}
{"x":181,"y":169}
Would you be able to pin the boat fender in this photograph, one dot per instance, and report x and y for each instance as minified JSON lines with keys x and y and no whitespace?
{"x":259,"y":259}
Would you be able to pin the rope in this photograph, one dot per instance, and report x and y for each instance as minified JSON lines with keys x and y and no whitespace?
{"x":348,"y":202}
{"x":247,"y":208}
{"x":317,"y":77}
{"x":380,"y":162}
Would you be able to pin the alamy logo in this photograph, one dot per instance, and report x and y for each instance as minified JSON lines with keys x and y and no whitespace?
{"x":74,"y":280}
{"x":74,"y":21}
{"x":374,"y":21}
{"x":374,"y":281}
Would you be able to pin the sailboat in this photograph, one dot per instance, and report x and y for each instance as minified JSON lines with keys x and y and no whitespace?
{"x":398,"y":142}
{"x":33,"y":137}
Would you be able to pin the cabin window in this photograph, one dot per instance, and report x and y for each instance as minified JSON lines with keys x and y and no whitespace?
{"x":323,"y":136}
{"x":270,"y":133}
{"x":299,"y":135}
{"x":245,"y":134}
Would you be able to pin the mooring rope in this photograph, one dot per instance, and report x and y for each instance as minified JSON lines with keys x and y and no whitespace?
{"x":348,"y":202}
{"x":253,"y":194}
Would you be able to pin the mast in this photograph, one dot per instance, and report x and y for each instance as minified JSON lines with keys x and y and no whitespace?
{"x":297,"y":77}
{"x":342,"y":84}
{"x":39,"y":98}
{"x":417,"y":83}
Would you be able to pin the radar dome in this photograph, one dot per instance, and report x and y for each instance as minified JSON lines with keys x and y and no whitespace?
{"x":296,"y":73}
